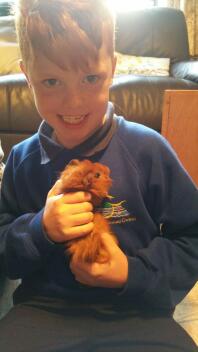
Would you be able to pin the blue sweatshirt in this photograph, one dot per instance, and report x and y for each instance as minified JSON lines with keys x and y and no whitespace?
{"x":153,"y":211}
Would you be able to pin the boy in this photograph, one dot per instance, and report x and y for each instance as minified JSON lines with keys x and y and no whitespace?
{"x":67,"y":51}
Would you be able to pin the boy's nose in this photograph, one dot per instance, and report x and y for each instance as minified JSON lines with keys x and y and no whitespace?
{"x":73,"y":100}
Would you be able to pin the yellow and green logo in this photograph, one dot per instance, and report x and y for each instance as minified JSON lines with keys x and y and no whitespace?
{"x":116,"y":213}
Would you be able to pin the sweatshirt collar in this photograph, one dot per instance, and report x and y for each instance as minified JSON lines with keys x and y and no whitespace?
{"x":50,"y":148}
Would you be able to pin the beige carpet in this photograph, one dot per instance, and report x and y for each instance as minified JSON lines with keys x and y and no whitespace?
{"x":186,"y":313}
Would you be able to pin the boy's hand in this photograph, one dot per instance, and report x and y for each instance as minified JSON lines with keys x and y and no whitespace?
{"x":112,"y":274}
{"x":67,"y":216}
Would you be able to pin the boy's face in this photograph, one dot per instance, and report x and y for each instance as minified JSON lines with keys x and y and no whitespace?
{"x":72,"y":102}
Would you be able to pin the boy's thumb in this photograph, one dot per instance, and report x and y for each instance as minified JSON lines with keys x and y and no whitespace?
{"x":109,"y":242}
{"x":56,"y":189}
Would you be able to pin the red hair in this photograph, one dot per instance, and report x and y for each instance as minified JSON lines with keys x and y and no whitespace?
{"x":68,"y":32}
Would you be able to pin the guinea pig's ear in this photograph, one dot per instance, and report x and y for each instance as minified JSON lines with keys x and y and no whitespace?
{"x":73,"y":162}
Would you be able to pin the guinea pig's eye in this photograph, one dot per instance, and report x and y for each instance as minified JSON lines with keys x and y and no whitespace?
{"x":97,"y":175}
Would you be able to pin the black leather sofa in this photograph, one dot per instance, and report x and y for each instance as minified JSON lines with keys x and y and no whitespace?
{"x":157,"y":32}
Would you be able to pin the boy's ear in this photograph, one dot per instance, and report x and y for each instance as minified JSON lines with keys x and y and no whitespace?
{"x":22,"y":67}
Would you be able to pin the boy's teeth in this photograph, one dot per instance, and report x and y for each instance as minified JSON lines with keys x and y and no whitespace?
{"x":73,"y":119}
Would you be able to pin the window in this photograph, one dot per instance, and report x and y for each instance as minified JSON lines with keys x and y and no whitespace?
{"x":125,"y":5}
{"x":5,"y":7}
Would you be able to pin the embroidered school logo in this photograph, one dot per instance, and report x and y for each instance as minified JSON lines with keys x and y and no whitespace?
{"x":116,"y":213}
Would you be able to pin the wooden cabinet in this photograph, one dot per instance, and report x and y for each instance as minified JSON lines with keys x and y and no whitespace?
{"x":180,"y":127}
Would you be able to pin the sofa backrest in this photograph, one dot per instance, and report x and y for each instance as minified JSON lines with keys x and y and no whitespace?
{"x":157,"y":32}
{"x":18,"y":116}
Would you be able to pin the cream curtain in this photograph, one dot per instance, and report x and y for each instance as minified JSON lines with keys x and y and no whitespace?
{"x":190,"y":9}
{"x":174,"y":3}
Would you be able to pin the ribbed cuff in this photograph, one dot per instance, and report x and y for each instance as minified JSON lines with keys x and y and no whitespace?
{"x":139,"y":278}
{"x":39,"y":236}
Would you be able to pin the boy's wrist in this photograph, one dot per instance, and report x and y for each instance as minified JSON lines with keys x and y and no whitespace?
{"x":47,"y":236}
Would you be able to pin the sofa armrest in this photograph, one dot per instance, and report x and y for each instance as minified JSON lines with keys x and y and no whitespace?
{"x":185,"y":70}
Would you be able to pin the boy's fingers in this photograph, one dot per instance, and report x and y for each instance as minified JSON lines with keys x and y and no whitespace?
{"x":82,"y":219}
{"x":79,"y":231}
{"x":76,"y":208}
{"x":76,"y":197}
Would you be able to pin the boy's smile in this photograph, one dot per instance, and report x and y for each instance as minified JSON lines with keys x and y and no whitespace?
{"x":73,"y":102}
{"x":74,"y":120}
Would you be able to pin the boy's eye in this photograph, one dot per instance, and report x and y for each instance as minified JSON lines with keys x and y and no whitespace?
{"x":51,"y":82}
{"x":91,"y":79}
